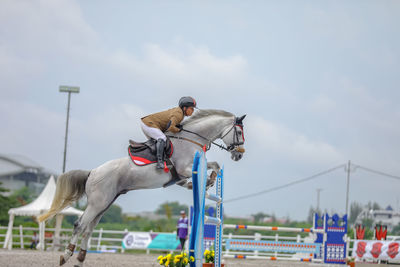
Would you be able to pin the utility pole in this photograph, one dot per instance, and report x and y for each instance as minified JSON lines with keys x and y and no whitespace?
{"x":318,"y":193}
{"x":348,"y":187}
{"x":69,"y":90}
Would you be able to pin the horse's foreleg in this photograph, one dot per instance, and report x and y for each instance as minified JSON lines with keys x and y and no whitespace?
{"x":213,"y":176}
{"x":214,"y":166}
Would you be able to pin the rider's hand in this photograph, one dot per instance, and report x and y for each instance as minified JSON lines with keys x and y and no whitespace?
{"x":180,"y":127}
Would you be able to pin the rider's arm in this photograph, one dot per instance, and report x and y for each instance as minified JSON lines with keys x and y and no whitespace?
{"x":174,"y":121}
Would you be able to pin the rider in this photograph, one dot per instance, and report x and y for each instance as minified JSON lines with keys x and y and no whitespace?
{"x":154,"y":125}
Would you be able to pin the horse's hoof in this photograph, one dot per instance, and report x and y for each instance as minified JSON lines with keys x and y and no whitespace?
{"x":62,"y":260}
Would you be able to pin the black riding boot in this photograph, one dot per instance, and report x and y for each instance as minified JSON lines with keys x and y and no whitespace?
{"x":160,"y":153}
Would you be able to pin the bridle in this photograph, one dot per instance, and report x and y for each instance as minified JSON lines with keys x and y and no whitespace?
{"x":236,"y":142}
{"x":235,"y":145}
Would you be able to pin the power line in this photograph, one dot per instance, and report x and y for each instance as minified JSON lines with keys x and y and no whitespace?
{"x":285,"y":185}
{"x":377,"y":172}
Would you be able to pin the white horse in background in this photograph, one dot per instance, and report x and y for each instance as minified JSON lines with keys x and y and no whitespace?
{"x":105,"y":183}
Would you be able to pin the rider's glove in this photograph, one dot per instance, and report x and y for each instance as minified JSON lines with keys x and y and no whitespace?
{"x":180,"y":127}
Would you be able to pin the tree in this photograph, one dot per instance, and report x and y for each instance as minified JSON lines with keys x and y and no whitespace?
{"x":396,"y":230}
{"x":6,"y":203}
{"x":367,"y":222}
{"x":310,"y":216}
{"x":171,"y":208}
{"x":355,"y":209}
{"x":258,"y":217}
{"x":373,"y":206}
{"x":24,"y":195}
{"x":112,"y":215}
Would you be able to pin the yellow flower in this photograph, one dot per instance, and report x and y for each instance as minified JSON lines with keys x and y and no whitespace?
{"x":168,"y":256}
{"x":167,"y":263}
{"x":206,"y":252}
{"x":161,"y":262}
{"x":160,"y":257}
{"x":185,"y":261}
{"x":176,"y":260}
{"x":191,"y":258}
{"x":184,"y":254}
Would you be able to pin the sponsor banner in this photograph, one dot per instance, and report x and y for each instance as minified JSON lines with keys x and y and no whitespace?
{"x":135,"y":240}
{"x":379,"y":250}
{"x":165,"y":242}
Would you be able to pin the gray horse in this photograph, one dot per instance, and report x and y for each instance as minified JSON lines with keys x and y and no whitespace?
{"x":105,"y":183}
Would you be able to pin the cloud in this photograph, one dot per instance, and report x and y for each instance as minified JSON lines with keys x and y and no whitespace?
{"x":37,"y":28}
{"x":284,"y":143}
{"x":183,"y":66}
{"x":323,"y":103}
{"x":335,"y":23}
{"x":39,"y":37}
{"x":38,"y":133}
{"x":32,"y":130}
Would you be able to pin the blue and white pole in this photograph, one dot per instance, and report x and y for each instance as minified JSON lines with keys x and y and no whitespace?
{"x":199,"y":180}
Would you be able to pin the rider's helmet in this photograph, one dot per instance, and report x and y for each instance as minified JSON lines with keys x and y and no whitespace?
{"x":187,"y":101}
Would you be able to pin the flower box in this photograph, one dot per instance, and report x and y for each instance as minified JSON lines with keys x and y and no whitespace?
{"x":212,"y":265}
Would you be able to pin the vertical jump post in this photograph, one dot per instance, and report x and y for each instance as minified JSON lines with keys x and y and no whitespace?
{"x":199,"y":180}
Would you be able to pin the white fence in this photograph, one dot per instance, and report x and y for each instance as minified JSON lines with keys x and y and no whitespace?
{"x":101,"y":240}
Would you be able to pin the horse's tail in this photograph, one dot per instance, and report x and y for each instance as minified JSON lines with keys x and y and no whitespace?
{"x":70,"y":188}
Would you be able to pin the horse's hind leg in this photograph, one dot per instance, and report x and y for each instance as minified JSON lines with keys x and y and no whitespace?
{"x":97,"y":204}
{"x":79,"y":227}
{"x":85,"y":240}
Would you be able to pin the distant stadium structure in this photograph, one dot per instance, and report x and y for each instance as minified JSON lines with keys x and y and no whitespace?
{"x":387,"y":217}
{"x":17,"y":171}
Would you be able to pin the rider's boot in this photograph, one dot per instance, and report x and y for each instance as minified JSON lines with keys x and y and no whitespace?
{"x":160,"y":153}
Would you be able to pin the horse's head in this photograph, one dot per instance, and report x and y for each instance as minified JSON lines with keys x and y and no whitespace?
{"x":233,"y":138}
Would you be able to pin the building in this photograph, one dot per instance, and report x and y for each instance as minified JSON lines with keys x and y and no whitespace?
{"x":386,"y":217}
{"x":17,"y":171}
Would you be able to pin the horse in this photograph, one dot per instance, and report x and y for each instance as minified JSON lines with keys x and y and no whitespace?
{"x":105,"y":183}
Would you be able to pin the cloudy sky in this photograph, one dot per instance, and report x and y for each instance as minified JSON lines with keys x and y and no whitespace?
{"x":319,"y":81}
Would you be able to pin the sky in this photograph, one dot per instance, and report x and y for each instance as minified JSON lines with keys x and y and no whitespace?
{"x":318,"y":81}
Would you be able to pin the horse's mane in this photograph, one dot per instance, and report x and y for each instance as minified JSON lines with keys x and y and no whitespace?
{"x":202,"y":113}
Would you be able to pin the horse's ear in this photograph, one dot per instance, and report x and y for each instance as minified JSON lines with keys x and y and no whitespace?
{"x":239,"y":120}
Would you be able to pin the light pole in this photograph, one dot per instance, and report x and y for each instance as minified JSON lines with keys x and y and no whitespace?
{"x":69,"y":90}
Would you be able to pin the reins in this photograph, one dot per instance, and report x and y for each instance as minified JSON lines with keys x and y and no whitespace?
{"x":209,"y":142}
{"x":187,"y":139}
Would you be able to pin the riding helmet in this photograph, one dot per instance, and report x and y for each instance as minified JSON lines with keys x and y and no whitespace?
{"x":187,"y":101}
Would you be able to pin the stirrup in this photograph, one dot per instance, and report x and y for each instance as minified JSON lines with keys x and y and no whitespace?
{"x":160,"y":165}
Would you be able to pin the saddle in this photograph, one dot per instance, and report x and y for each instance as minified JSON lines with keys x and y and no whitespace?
{"x":146,"y":153}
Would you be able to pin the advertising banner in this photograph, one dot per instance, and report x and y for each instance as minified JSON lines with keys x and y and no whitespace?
{"x":378,"y":250}
{"x":136,"y":240}
{"x":143,"y":240}
{"x":165,"y":242}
